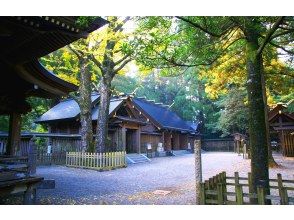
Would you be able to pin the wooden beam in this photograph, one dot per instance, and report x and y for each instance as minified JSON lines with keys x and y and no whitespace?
{"x":14,"y":133}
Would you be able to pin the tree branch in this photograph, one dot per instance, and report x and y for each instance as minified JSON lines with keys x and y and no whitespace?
{"x":96,"y":62}
{"x":119,"y":26}
{"x":198,"y":26}
{"x":122,"y":65}
{"x":122,"y":59}
{"x":281,"y":47}
{"x":269,"y":35}
{"x":75,"y":51}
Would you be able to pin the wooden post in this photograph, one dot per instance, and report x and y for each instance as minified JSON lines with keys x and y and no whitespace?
{"x":32,"y":157}
{"x":220,"y":195}
{"x":123,"y":136}
{"x":250,"y":186}
{"x":224,"y":182}
{"x":239,"y":194}
{"x":138,"y":139}
{"x":236,"y":178}
{"x":198,"y":169}
{"x":202,"y":194}
{"x":280,"y":185}
{"x":29,"y":197}
{"x":13,"y":142}
{"x":260,"y":195}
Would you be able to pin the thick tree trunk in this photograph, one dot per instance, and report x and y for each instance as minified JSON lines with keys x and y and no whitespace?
{"x":102,"y":122}
{"x":271,"y":161}
{"x":257,"y":125}
{"x":84,"y":102}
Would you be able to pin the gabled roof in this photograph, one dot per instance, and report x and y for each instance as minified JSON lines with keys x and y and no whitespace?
{"x":67,"y":109}
{"x":162,"y":116}
{"x":279,"y":109}
{"x":113,"y":106}
{"x":158,"y":114}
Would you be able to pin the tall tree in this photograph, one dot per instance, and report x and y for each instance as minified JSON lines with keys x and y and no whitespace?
{"x":116,"y":55}
{"x":200,"y":41}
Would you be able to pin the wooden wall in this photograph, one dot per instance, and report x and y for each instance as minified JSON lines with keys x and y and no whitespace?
{"x":288,"y":143}
{"x":218,"y":145}
{"x":148,"y":138}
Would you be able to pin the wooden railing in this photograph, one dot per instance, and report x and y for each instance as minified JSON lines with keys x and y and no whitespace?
{"x":97,"y":161}
{"x":223,"y":190}
{"x":56,"y":158}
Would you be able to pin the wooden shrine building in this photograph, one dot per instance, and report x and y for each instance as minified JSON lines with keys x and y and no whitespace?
{"x":282,"y":129}
{"x":135,"y":125}
{"x":23,"y":40}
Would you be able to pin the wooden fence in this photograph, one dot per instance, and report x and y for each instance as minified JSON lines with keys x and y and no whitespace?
{"x":97,"y":161}
{"x":223,"y":190}
{"x":221,"y":144}
{"x":56,"y":158}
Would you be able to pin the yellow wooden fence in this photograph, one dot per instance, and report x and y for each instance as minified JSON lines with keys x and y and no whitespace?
{"x":97,"y":161}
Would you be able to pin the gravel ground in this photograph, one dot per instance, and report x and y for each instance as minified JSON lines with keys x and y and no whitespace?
{"x":136,"y":183}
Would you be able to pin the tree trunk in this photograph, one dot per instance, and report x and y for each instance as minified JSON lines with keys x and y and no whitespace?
{"x":257,"y":125}
{"x":102,"y":121}
{"x":84,"y":102}
{"x":271,"y":161}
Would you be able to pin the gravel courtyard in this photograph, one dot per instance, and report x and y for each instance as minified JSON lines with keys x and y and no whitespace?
{"x":136,"y":183}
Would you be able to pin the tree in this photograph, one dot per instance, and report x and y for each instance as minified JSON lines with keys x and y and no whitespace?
{"x":201,"y":41}
{"x":92,"y":61}
{"x":72,"y":64}
{"x":116,"y":55}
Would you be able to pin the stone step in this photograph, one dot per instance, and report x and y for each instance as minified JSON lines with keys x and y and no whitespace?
{"x":180,"y":152}
{"x":137,"y":158}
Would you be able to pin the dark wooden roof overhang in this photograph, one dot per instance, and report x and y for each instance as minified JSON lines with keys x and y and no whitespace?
{"x":25,"y":39}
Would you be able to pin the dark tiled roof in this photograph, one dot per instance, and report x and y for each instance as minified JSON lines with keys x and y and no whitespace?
{"x":162,"y":115}
{"x":113,"y":105}
{"x":66,"y":109}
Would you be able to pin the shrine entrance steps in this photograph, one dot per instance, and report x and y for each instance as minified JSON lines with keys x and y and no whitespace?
{"x":137,"y":158}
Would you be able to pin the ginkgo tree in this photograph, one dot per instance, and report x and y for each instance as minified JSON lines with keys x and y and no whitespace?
{"x":92,"y":63}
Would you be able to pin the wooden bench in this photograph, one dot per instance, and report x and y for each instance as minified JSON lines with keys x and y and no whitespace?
{"x":15,"y":179}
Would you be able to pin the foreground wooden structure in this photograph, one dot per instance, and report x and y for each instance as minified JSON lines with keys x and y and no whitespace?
{"x":224,"y":190}
{"x":23,"y":40}
{"x":96,"y":161}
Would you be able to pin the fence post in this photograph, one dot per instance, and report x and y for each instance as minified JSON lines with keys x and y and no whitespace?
{"x":198,"y":169}
{"x":236,"y":178}
{"x":224,"y":182}
{"x":284,"y":198}
{"x":239,"y":194}
{"x":260,"y":195}
{"x":280,"y":186}
{"x":220,"y":195}
{"x":202,"y":194}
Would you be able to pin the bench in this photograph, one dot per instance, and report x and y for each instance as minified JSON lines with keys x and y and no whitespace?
{"x":15,"y":179}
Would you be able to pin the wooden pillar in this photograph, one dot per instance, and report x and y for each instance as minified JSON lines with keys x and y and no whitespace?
{"x":177,"y":141}
{"x":167,"y":141}
{"x":116,"y":137}
{"x":14,"y":134}
{"x":198,"y":169}
{"x":123,"y":137}
{"x":138,"y":140}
